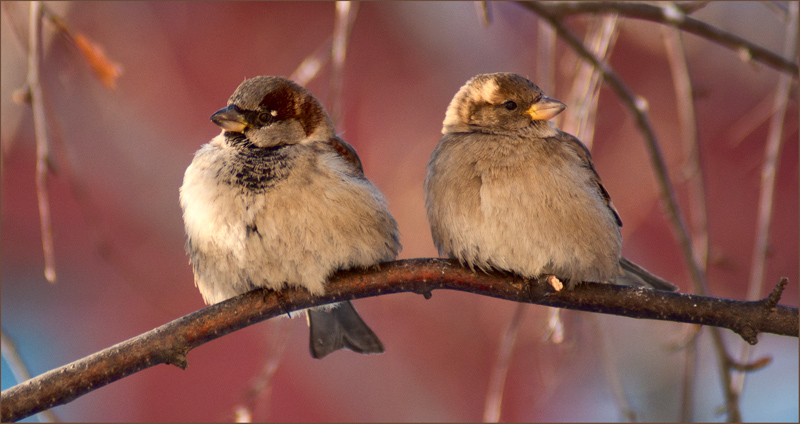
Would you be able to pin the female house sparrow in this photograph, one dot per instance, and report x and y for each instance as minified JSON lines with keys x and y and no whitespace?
{"x":506,"y":190}
{"x":278,"y":199}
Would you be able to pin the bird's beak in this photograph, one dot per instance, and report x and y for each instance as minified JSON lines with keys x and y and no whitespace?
{"x":545,"y":109}
{"x":229,"y":119}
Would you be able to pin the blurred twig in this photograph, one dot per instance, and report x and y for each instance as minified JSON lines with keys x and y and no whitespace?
{"x":546,"y":78}
{"x":311,"y":65}
{"x":497,"y":378}
{"x":94,"y":218}
{"x":546,"y":43}
{"x":11,"y":11}
{"x":483,"y":12}
{"x":105,"y":69}
{"x":610,"y":368}
{"x":778,"y":7}
{"x":697,"y":206}
{"x":43,"y":162}
{"x":107,"y":72}
{"x":170,"y":343}
{"x":334,"y":47}
{"x":545,"y":75}
{"x":747,"y":122}
{"x":693,"y":172}
{"x":546,"y":54}
{"x":691,"y":6}
{"x":20,"y":371}
{"x":638,"y":107}
{"x":585,"y":93}
{"x":345,"y":16}
{"x":768,"y":172}
{"x":12,"y":358}
{"x":674,"y":16}
{"x":262,"y":384}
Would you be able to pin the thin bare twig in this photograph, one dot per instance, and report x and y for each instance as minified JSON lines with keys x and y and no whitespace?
{"x":262,"y":384}
{"x":688,"y":377}
{"x":42,"y":144}
{"x":546,"y":44}
{"x":307,"y":70}
{"x":12,"y":358}
{"x":585,"y":92}
{"x":497,"y":379}
{"x":611,"y":370}
{"x":345,"y":16}
{"x":768,"y":173}
{"x":769,"y":169}
{"x":724,"y":364}
{"x":555,"y":326}
{"x":697,"y":206}
{"x":311,"y":65}
{"x":483,"y":12}
{"x":693,"y":171}
{"x":105,"y":69}
{"x":673,"y":16}
{"x":777,"y":7}
{"x":638,"y":107}
{"x":690,"y":7}
{"x":747,"y":122}
{"x":546,"y":78}
{"x":20,"y":371}
{"x":170,"y":343}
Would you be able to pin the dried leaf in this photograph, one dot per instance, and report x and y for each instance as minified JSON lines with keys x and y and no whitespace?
{"x":106,"y":70}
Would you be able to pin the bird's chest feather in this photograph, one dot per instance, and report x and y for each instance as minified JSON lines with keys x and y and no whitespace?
{"x":535,"y":180}
{"x":228,"y":194}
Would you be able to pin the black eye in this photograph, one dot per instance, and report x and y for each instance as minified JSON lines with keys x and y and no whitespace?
{"x":510,"y":105}
{"x":264,"y":117}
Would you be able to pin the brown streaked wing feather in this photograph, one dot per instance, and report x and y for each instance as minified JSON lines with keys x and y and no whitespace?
{"x":347,"y":152}
{"x":578,"y":147}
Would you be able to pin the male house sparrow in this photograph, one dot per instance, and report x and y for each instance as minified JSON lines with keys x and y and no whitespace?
{"x":278,"y":199}
{"x":506,"y":190}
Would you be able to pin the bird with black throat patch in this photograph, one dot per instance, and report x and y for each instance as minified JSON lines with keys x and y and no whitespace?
{"x":277,"y":199}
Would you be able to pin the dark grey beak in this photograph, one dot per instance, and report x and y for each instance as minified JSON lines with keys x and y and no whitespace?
{"x":229,"y":119}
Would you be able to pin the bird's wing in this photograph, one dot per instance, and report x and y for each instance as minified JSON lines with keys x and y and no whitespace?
{"x":580,"y":149}
{"x":347,"y":152}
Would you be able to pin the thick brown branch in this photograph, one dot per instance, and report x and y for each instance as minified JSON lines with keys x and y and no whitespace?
{"x":170,"y":343}
{"x":677,"y":18}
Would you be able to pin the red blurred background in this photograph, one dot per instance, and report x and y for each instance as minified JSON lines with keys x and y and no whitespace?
{"x":119,"y":251}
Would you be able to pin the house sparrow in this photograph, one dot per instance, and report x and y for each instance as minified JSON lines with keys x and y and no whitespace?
{"x":277,"y":199}
{"x":506,"y":190}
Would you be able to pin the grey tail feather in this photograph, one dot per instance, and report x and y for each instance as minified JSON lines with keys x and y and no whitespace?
{"x":646,"y":276}
{"x":338,"y":328}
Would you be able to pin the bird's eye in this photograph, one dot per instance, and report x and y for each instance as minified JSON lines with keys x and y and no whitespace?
{"x":264,"y":117}
{"x":510,"y":105}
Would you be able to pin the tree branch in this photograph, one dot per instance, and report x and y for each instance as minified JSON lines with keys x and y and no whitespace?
{"x":43,"y":162}
{"x":170,"y":343}
{"x":676,"y":17}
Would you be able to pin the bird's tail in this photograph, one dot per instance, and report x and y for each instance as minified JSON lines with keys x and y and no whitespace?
{"x":636,"y":275}
{"x":340,"y":327}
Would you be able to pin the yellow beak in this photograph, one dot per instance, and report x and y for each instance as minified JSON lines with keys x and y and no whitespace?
{"x":545,"y":109}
